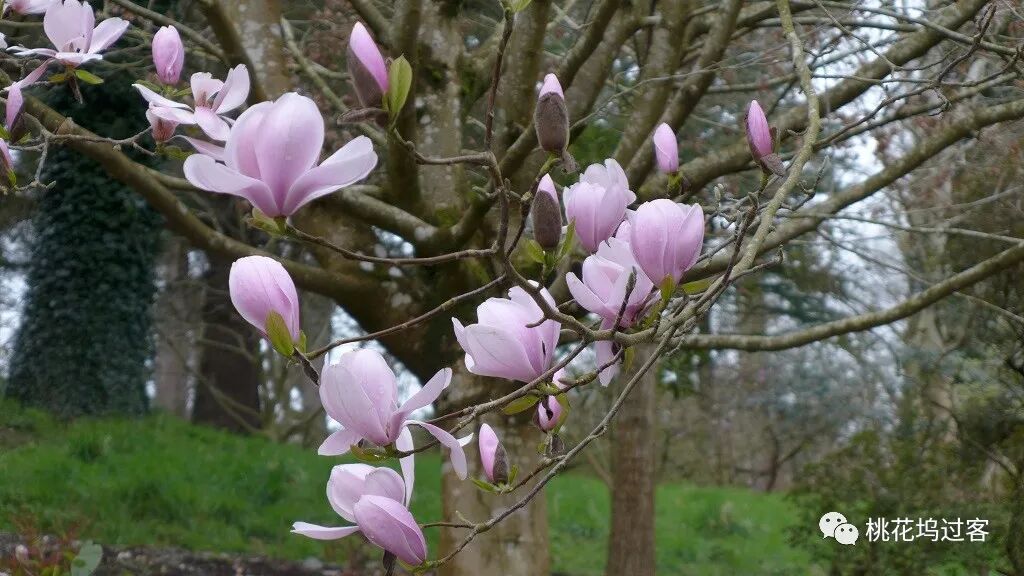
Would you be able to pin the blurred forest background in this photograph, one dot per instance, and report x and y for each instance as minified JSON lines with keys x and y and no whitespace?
{"x":158,"y":417}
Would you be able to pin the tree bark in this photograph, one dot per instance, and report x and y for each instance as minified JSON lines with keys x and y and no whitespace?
{"x":227,"y":393}
{"x":173,"y":345}
{"x":631,"y":542}
{"x":518,"y":546}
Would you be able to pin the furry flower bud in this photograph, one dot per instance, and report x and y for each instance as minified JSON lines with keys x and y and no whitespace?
{"x":551,"y":117}
{"x":547,"y":215}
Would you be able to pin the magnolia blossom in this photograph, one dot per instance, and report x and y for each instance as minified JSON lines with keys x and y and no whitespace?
{"x":598,"y":203}
{"x":492,"y":456}
{"x":605,"y":281}
{"x":271,"y":158}
{"x":163,"y":130}
{"x":27,"y":6}
{"x":70,"y":27}
{"x":549,"y":413}
{"x":509,"y":340}
{"x":666,"y":149}
{"x":212,"y":98}
{"x":666,"y":238}
{"x":360,"y":393}
{"x":258,"y":286}
{"x":168,"y":55}
{"x":366,"y":67}
{"x":376,"y":500}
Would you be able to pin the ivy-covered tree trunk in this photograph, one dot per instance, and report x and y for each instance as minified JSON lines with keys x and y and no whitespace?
{"x":84,"y":340}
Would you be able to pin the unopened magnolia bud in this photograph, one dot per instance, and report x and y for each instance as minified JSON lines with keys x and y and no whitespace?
{"x":547,"y":215}
{"x":549,"y":412}
{"x":552,"y":117}
{"x":760,"y":140}
{"x":21,"y":553}
{"x":366,"y":67}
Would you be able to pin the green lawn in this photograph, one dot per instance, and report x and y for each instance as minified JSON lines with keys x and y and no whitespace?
{"x":159,"y":481}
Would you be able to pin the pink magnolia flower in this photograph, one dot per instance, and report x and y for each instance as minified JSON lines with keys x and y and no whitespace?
{"x":366,"y":67}
{"x":549,"y":413}
{"x":376,"y":500}
{"x":666,"y":238}
{"x":360,"y":393}
{"x":492,"y":456}
{"x":168,"y":55}
{"x":27,"y":6}
{"x":271,"y":158}
{"x":605,"y":280}
{"x":598,"y":203}
{"x":258,"y":286}
{"x":212,"y":98}
{"x":163,"y":130}
{"x":69,"y":26}
{"x":507,"y":342}
{"x":666,"y":149}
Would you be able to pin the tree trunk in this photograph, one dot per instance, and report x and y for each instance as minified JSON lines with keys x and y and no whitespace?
{"x":173,"y":344}
{"x":631,"y":542}
{"x":518,"y":546}
{"x":227,"y":393}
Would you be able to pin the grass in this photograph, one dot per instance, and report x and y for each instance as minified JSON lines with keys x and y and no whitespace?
{"x":159,"y":481}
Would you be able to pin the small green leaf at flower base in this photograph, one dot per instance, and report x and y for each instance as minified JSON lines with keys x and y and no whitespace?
{"x":58,"y":78}
{"x":88,"y":77}
{"x":627,"y":359}
{"x":399,"y":82}
{"x":567,"y":240}
{"x":12,"y":178}
{"x":697,"y":286}
{"x":272,"y":226}
{"x":4,"y":133}
{"x":520,"y":405}
{"x":518,"y":5}
{"x":367,"y":456}
{"x":152,"y":86}
{"x":667,"y":287}
{"x":534,"y":251}
{"x":176,"y":152}
{"x":485,"y":486}
{"x":280,"y":337}
{"x":301,"y":345}
{"x":512,"y":473}
{"x":88,"y":559}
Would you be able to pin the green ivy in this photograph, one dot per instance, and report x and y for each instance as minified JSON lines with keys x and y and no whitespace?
{"x":84,"y":343}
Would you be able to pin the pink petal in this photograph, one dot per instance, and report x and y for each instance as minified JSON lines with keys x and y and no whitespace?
{"x":350,"y":164}
{"x":339,"y":442}
{"x":158,"y":100}
{"x":390,"y":525}
{"x":235,"y":90}
{"x":323,"y":532}
{"x":366,"y":50}
{"x":430,"y":391}
{"x":291,"y":136}
{"x":456,"y":453}
{"x":214,"y":126}
{"x":106,"y":34}
{"x":204,"y":172}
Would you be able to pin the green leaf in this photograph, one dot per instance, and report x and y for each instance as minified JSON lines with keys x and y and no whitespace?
{"x":399,"y":82}
{"x":277,"y":332}
{"x":697,"y":286}
{"x":88,"y":77}
{"x":12,"y":178}
{"x":58,"y":78}
{"x":567,"y":240}
{"x":520,"y":405}
{"x":667,"y":287}
{"x":518,"y":5}
{"x":152,"y":86}
{"x":4,"y":133}
{"x":302,"y":342}
{"x":485,"y":486}
{"x":534,"y":251}
{"x":367,"y":456}
{"x":176,"y":152}
{"x":627,"y":359}
{"x":512,"y":473}
{"x":88,"y":559}
{"x":272,"y":226}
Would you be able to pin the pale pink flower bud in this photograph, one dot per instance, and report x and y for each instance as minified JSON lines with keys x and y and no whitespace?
{"x":759,"y":138}
{"x":546,"y":215}
{"x":168,"y":55}
{"x":366,"y":67}
{"x":258,"y":286}
{"x":666,"y":238}
{"x":666,"y":149}
{"x":389,"y":525}
{"x":549,"y":412}
{"x":492,"y":456}
{"x":551,"y":118}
